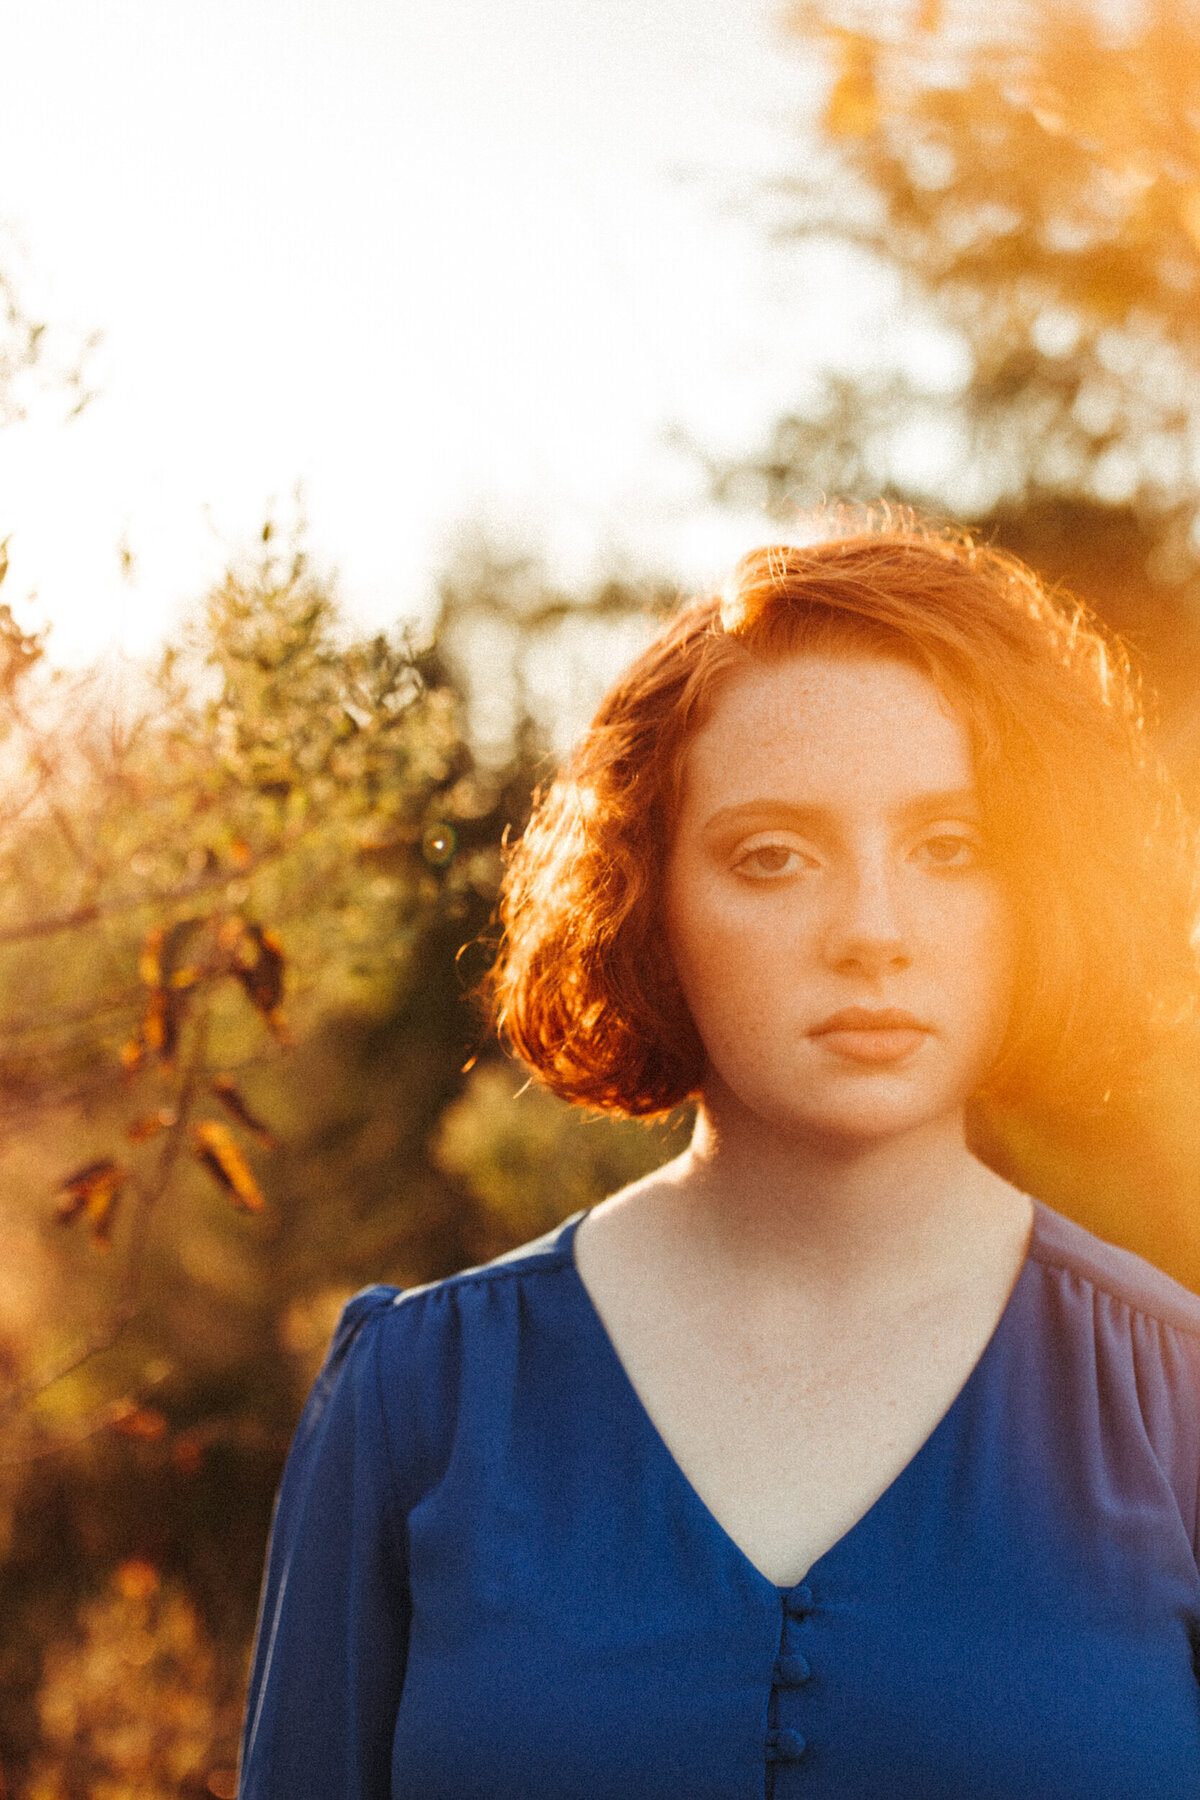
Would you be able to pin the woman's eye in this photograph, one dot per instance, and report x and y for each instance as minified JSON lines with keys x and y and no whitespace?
{"x":768,"y":859}
{"x":948,"y":851}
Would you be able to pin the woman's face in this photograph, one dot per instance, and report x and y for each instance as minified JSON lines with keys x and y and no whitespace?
{"x":842,"y":940}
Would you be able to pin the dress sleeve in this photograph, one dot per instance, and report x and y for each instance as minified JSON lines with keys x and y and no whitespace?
{"x":332,"y":1633}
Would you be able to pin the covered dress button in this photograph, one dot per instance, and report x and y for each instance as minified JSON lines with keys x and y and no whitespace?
{"x":798,"y":1601}
{"x":792,"y":1669}
{"x":784,"y":1746}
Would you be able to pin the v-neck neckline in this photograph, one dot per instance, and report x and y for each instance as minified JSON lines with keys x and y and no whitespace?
{"x":565,"y":1245}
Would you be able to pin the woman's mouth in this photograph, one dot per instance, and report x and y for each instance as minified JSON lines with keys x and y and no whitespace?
{"x":866,"y":1035}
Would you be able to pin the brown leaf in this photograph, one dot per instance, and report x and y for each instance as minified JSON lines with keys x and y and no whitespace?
{"x":230,"y":1096}
{"x":93,"y":1190}
{"x":220,"y":1153}
{"x":144,"y":1422}
{"x":259,"y":966}
{"x":150,"y":960}
{"x":169,"y":984}
{"x":150,"y":1124}
{"x":165,"y":1010}
{"x":230,"y":934}
{"x":162,"y":951}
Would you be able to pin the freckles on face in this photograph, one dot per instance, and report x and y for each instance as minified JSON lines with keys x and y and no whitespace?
{"x":840,"y":934}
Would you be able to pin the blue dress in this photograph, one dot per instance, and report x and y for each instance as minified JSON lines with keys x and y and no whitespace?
{"x":490,"y":1580}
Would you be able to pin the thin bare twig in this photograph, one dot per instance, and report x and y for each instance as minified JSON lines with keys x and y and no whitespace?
{"x":101,"y":1419}
{"x":67,"y":1018}
{"x":70,"y":839}
{"x":148,"y":1196}
{"x":53,"y":923}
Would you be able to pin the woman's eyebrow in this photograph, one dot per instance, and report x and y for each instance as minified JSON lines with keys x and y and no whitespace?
{"x":957,"y":802}
{"x":765,"y":812}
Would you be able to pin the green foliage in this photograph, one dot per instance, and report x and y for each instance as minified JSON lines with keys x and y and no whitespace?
{"x":245,"y":897}
{"x":1029,"y":181}
{"x":242,"y":906}
{"x":1033,"y":180}
{"x":199,"y":872}
{"x":529,"y":1159}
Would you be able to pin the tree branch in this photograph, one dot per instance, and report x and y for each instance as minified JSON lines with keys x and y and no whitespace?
{"x":148,"y":1196}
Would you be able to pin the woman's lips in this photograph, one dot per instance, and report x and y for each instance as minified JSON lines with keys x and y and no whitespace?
{"x":866,"y":1036}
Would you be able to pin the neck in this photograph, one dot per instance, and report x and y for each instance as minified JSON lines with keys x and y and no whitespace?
{"x":823,"y":1210}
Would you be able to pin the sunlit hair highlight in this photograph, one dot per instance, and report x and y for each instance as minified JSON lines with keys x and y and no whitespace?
{"x":1099,"y":861}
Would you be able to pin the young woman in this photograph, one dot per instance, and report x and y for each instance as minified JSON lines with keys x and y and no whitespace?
{"x":821,"y":1463}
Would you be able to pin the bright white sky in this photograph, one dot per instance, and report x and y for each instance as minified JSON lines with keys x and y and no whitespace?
{"x":433,"y":259}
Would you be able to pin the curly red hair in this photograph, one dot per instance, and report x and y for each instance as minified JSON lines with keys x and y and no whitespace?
{"x":1099,"y":859}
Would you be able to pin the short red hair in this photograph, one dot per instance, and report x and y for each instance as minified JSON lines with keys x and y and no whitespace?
{"x":1099,"y":859}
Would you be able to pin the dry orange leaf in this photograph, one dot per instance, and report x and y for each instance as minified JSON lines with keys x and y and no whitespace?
{"x":165,"y":1011}
{"x":260,"y":965}
{"x":144,"y":1422}
{"x":220,"y":1153}
{"x":230,"y":1096}
{"x":150,"y":1125}
{"x":150,"y":960}
{"x":93,"y":1190}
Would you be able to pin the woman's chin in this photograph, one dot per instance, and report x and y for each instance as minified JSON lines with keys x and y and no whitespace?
{"x":841,"y":1123}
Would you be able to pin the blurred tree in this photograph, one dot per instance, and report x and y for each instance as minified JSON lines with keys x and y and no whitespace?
{"x":528,"y":1159}
{"x":1025,"y":181}
{"x":275,"y":809}
{"x":33,"y":356}
{"x":243,"y":899}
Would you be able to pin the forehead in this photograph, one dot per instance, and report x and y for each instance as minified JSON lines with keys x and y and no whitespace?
{"x":827,"y":727}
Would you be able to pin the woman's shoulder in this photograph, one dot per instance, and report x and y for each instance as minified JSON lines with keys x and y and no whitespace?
{"x":388,"y":1317}
{"x":1060,"y":1245}
{"x":406,"y":1364}
{"x":1123,"y":1342}
{"x":545,"y":1255}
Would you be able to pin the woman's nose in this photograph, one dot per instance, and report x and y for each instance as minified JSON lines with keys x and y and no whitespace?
{"x":867,"y":934}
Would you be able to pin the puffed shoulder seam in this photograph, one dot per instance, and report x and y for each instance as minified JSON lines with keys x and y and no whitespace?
{"x":1172,"y":1306}
{"x":372,"y":1301}
{"x":1178,"y":1309}
{"x":361,"y":1331}
{"x":360,"y":1306}
{"x":472,"y":1278}
{"x":389,"y":1449}
{"x":546,"y":1255}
